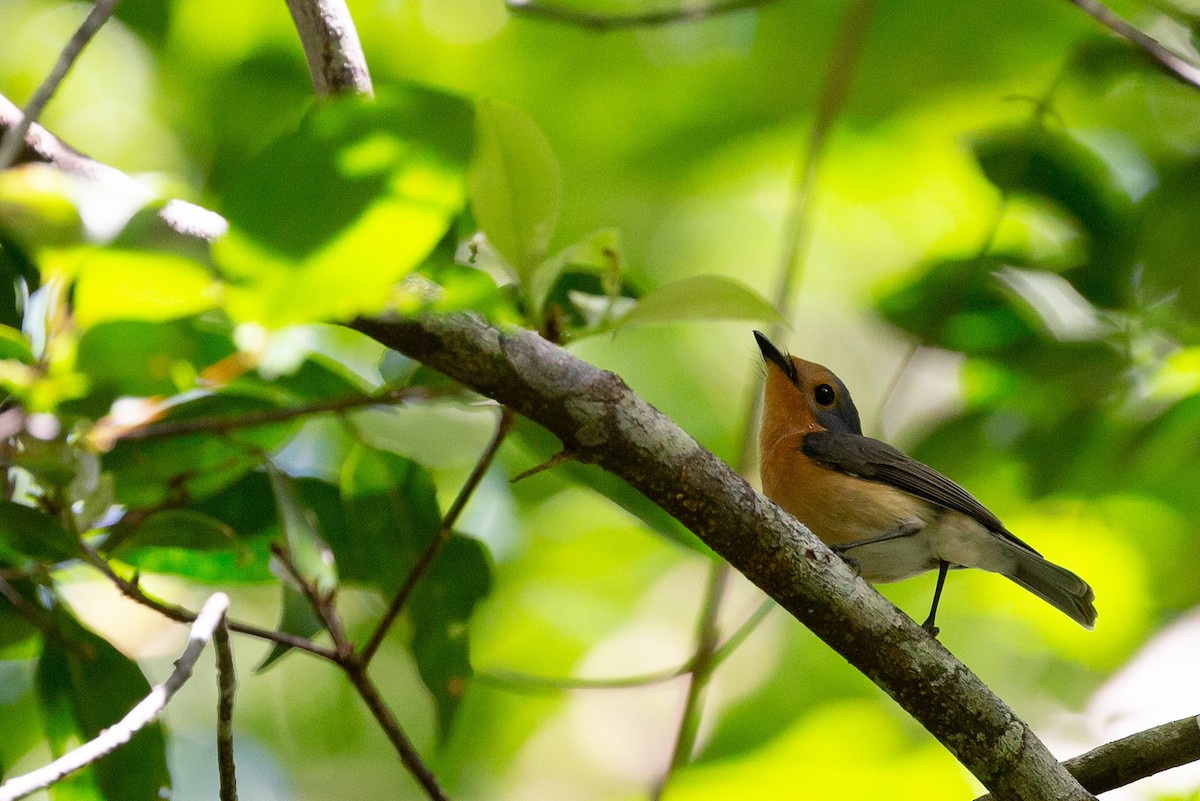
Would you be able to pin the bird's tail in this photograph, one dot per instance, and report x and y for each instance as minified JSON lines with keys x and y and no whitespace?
{"x":1055,"y":585}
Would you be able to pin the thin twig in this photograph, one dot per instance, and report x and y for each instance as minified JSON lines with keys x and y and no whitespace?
{"x":356,"y":672}
{"x":181,"y":615}
{"x":355,"y":667}
{"x":331,"y":47}
{"x":225,"y":423}
{"x":139,"y":717}
{"x":226,"y":686}
{"x":595,"y":21}
{"x":702,"y":666}
{"x":554,"y":461}
{"x":525,"y":682}
{"x":1135,"y":757}
{"x":503,"y":426}
{"x":13,"y":138}
{"x":1175,"y":64}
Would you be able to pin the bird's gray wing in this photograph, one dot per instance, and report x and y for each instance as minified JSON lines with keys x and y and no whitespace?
{"x":873,"y":460}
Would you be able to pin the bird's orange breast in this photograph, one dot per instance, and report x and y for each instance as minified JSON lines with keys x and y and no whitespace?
{"x":837,"y":507}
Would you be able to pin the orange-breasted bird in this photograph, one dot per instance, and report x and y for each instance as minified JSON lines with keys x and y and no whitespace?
{"x":885,"y":512}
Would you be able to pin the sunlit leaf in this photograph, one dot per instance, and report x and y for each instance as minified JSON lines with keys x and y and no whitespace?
{"x":327,"y":219}
{"x":701,"y":297}
{"x":515,"y":185}
{"x":14,"y":345}
{"x":137,"y":285}
{"x":36,"y":206}
{"x":195,"y":545}
{"x":88,"y":684}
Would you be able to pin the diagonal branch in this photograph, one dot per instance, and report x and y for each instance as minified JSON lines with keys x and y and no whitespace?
{"x":115,"y":736}
{"x":91,"y":25}
{"x":1178,"y":66}
{"x":598,"y":417}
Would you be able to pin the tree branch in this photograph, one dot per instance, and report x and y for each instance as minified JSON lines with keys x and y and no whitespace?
{"x":331,"y":47}
{"x":598,"y":417}
{"x":1137,"y":756}
{"x":688,"y":12}
{"x":1175,"y":64}
{"x":115,"y":736}
{"x":13,"y":137}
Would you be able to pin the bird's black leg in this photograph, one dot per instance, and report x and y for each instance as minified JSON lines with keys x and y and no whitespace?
{"x":903,"y":531}
{"x":943,"y":568}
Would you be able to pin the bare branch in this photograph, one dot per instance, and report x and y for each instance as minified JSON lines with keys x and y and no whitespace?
{"x":1175,"y":64}
{"x":226,"y":686}
{"x":503,"y":426}
{"x":331,"y":47}
{"x":687,"y":12}
{"x":112,"y":738}
{"x":14,"y":136}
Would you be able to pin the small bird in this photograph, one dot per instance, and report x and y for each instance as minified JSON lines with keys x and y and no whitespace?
{"x":885,"y":512}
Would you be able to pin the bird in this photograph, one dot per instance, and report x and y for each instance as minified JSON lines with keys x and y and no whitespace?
{"x":885,"y":513}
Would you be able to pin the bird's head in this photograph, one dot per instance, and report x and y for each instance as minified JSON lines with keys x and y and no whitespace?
{"x":804,"y":396}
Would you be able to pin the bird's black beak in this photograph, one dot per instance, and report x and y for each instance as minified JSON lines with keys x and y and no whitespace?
{"x":772,"y":355}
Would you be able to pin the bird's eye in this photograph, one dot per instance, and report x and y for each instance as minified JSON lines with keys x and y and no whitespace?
{"x":824,"y":394}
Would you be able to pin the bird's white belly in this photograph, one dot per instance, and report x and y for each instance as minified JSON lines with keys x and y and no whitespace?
{"x":948,"y":536}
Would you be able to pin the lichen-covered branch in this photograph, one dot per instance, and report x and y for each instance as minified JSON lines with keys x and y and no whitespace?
{"x":603,"y":421}
{"x":331,"y":47}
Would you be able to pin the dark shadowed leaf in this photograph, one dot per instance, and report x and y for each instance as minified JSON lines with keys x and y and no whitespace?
{"x":297,"y":617}
{"x":311,"y":556}
{"x":87,"y":686}
{"x":35,"y":534}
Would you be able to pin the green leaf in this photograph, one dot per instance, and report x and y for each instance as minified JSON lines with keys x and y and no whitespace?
{"x":296,"y":617}
{"x":701,"y":297}
{"x":140,"y":358}
{"x":958,"y":305}
{"x":515,"y":186}
{"x":14,"y":345}
{"x":1053,"y":165}
{"x":36,"y":208}
{"x":312,"y":558}
{"x":148,"y":472}
{"x":327,"y":219}
{"x":441,"y":607}
{"x":189,"y":543}
{"x":34,"y":534}
{"x":601,"y":252}
{"x":88,"y":685}
{"x":137,"y":285}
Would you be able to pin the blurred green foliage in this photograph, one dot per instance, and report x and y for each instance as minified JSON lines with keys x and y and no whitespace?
{"x":1005,"y":184}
